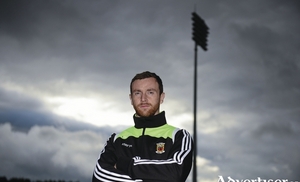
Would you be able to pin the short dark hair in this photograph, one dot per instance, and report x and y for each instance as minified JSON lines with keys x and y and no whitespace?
{"x":148,"y":74}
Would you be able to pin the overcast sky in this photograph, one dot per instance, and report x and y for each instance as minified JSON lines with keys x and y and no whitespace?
{"x":65,"y":69}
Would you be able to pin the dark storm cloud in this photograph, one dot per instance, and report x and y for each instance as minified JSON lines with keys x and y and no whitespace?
{"x":23,"y":112}
{"x":20,"y":110}
{"x":28,"y":21}
{"x":48,"y":153}
{"x":66,"y":39}
{"x":39,"y":28}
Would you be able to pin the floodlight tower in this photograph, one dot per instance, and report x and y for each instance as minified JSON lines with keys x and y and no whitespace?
{"x":199,"y":35}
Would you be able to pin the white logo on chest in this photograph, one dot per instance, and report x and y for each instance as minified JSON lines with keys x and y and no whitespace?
{"x":126,"y":145}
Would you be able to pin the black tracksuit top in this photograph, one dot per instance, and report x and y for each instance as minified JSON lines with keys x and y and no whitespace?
{"x":150,"y":151}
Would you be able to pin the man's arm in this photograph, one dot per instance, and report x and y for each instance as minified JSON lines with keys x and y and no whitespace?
{"x":174,"y":169}
{"x":105,"y":170}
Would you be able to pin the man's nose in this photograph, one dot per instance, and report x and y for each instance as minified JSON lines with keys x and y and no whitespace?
{"x":144,"y":97}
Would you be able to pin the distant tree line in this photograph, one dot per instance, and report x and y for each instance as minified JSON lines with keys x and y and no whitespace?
{"x":4,"y":179}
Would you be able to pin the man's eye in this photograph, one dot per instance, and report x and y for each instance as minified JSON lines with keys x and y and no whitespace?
{"x":150,"y":92}
{"x":136,"y":93}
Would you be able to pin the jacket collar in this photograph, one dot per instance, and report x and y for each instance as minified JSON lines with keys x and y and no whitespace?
{"x":150,"y":122}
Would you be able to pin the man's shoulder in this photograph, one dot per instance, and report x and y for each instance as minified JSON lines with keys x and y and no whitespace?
{"x":131,"y":131}
{"x":178,"y":131}
{"x":175,"y":129}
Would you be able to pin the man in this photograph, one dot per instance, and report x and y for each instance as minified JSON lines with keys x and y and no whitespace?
{"x":151,"y":150}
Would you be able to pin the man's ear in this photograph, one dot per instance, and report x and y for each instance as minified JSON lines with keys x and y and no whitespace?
{"x":130,"y":99}
{"x":162,"y":97}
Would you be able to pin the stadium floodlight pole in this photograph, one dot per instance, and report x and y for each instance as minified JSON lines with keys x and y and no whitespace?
{"x":195,"y":117}
{"x":199,"y":35}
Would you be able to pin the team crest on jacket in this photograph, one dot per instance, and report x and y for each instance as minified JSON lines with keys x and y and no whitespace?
{"x":160,"y":148}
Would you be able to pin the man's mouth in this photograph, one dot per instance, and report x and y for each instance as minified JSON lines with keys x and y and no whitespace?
{"x":145,"y":105}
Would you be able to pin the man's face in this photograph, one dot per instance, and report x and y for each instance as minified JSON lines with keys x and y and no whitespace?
{"x":145,"y":97}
